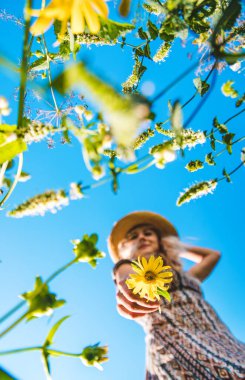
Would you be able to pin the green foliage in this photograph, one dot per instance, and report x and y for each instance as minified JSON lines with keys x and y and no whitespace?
{"x":228,"y":140}
{"x":201,"y":86}
{"x":222,"y":128}
{"x":6,"y":376}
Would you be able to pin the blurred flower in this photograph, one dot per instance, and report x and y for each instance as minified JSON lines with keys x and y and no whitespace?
{"x":76,"y":191}
{"x":50,"y":201}
{"x":197,"y":191}
{"x":4,"y":106}
{"x":79,"y":12}
{"x":85,"y":250}
{"x":94,"y":356}
{"x":228,"y":89}
{"x":150,"y":278}
{"x":98,"y":172}
{"x":41,"y":301}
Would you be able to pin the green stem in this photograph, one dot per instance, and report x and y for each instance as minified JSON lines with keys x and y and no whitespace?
{"x":140,"y":169}
{"x":49,"y":279}
{"x":63,"y":353}
{"x":12,"y":311}
{"x":232,"y":172}
{"x":39,"y":348}
{"x":20,"y":319}
{"x":56,"y":273}
{"x":20,"y":350}
{"x":232,"y":117}
{"x":24,"y":65}
{"x":2,"y":172}
{"x":17,"y":176}
{"x":49,"y":75}
{"x":174,"y":82}
{"x":224,"y":150}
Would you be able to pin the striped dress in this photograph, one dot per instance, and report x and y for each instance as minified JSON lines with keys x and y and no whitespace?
{"x":188,"y":340}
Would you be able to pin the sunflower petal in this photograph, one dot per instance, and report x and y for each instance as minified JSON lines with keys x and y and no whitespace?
{"x":91,"y":17}
{"x":77,"y":18}
{"x":101,"y":7}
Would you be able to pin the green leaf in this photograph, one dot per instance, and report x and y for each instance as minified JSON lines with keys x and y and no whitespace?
{"x":142,"y":35}
{"x":229,"y":16}
{"x":53,"y":330}
{"x":209,"y":159}
{"x":46,"y":363}
{"x":39,"y":64}
{"x":221,"y":127}
{"x":11,"y":149}
{"x":6,"y":376}
{"x":176,"y":119}
{"x":228,"y":178}
{"x":227,"y":139}
{"x":6,"y":128}
{"x":152,"y":29}
{"x":240,"y":101}
{"x":164,"y":293}
{"x":201,"y":86}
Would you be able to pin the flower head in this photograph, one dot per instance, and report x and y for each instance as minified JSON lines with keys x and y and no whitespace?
{"x":78,"y":12}
{"x":94,"y":355}
{"x":150,"y":279}
{"x":40,"y":300}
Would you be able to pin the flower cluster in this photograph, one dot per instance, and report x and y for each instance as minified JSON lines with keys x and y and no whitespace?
{"x":162,"y":52}
{"x":76,"y":191}
{"x":163,"y":153}
{"x":94,"y":355}
{"x":189,"y":137}
{"x":34,"y":131}
{"x":193,"y":166}
{"x":142,"y":138}
{"x":151,"y":279}
{"x":50,"y":201}
{"x":196,"y":191}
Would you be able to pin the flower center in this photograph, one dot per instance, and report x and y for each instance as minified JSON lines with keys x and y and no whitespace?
{"x":150,"y":276}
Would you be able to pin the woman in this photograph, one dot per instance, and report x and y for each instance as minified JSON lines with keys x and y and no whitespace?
{"x":187,"y":340}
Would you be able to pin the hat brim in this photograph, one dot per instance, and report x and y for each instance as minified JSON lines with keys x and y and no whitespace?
{"x":121,"y":227}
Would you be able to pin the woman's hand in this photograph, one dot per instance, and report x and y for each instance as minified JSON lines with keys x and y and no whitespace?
{"x":130,"y":305}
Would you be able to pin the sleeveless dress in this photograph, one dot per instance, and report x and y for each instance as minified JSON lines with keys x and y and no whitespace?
{"x":188,"y":341}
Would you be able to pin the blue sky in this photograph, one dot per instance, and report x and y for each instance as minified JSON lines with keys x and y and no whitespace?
{"x":39,"y":245}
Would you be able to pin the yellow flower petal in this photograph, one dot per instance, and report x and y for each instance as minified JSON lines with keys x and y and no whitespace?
{"x":41,"y":25}
{"x":77,"y":18}
{"x":91,"y":17}
{"x":101,"y":7}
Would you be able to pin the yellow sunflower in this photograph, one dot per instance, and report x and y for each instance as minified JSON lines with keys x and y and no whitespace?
{"x":79,"y":12}
{"x":150,"y":278}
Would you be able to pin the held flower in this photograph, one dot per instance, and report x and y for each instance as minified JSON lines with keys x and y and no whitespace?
{"x":150,"y":278}
{"x":80,"y":13}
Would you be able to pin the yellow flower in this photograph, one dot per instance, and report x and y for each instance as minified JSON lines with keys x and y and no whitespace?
{"x":150,"y":278}
{"x":79,"y":12}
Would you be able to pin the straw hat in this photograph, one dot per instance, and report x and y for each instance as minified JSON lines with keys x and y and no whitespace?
{"x":129,"y":221}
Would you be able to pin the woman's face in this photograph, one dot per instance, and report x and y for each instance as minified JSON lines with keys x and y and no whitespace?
{"x":139,"y":241}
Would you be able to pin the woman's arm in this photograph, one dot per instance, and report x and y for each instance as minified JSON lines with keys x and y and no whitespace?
{"x":129,"y":305}
{"x":205,"y":258}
